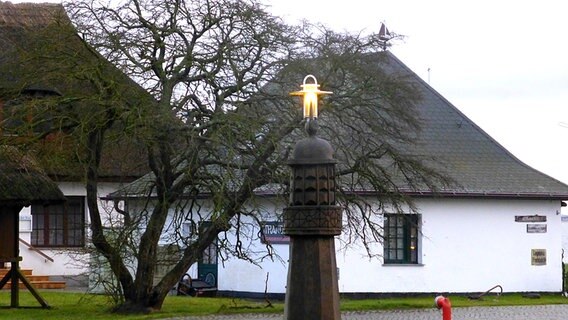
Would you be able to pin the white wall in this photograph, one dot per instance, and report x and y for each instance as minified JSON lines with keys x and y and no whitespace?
{"x":565,"y":236}
{"x":467,"y":246}
{"x":66,"y":261}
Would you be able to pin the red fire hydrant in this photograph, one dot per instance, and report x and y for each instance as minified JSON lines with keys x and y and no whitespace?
{"x":446,"y":306}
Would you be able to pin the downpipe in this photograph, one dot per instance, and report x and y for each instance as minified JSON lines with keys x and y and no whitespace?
{"x":445,"y":305}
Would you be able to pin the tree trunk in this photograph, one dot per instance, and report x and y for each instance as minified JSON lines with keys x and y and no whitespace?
{"x":144,"y":296}
{"x":93,"y":155}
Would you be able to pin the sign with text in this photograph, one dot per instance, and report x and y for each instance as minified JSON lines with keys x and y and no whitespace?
{"x":273,"y":233}
{"x":538,"y":257}
{"x":535,"y":218}
{"x":25,"y":223}
{"x":536,"y":228}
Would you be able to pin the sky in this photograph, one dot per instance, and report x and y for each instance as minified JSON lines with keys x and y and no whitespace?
{"x":503,"y":63}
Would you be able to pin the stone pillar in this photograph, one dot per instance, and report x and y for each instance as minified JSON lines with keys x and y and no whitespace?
{"x":312,"y":220}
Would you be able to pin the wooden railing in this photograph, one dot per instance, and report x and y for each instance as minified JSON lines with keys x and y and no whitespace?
{"x":41,"y":253}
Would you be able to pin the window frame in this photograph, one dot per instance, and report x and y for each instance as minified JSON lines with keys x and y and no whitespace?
{"x":404,"y":246}
{"x":70,"y":221}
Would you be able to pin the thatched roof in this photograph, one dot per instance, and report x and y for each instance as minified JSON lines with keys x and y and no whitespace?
{"x":26,"y":30}
{"x":22,"y":182}
{"x":28,"y":14}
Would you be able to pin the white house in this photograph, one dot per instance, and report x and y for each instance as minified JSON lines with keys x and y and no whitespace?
{"x":499,"y":224}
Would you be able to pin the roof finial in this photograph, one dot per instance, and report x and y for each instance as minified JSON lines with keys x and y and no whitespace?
{"x":385,"y":35}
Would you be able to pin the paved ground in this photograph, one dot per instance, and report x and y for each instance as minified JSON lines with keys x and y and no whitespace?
{"x":548,"y":312}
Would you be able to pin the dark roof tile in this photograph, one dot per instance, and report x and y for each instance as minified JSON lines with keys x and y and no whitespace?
{"x":479,"y":165}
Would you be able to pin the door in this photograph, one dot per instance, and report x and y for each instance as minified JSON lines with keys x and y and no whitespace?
{"x":207,"y":265}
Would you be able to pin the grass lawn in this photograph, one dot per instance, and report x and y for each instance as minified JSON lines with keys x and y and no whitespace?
{"x":66,"y":305}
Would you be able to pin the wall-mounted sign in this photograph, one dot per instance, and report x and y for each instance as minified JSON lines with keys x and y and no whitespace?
{"x":273,"y":233}
{"x":536,"y":228}
{"x":538,"y":257}
{"x":25,"y":223}
{"x":535,"y":218}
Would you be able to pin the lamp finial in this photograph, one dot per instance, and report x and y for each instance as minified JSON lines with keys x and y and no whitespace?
{"x":310,"y":93}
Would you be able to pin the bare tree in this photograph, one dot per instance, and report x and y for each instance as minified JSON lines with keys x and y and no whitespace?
{"x":218,"y":123}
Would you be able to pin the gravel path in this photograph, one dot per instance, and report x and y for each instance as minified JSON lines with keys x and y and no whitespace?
{"x":546,"y":312}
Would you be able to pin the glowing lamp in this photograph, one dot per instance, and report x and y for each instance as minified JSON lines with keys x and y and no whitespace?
{"x":310,"y":92}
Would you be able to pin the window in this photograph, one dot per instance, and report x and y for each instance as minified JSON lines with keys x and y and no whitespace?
{"x":59,"y":225}
{"x":401,"y":238}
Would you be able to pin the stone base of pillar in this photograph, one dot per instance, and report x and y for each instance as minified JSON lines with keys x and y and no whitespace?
{"x":312,"y":292}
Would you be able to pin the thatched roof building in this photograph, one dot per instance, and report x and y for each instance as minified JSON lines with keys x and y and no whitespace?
{"x":43,"y":59}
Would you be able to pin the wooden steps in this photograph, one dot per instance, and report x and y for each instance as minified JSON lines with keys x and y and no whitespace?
{"x":38,"y":281}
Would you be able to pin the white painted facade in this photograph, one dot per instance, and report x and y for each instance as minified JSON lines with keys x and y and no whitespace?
{"x":467,"y":245}
{"x":66,"y":261}
{"x":565,"y":236}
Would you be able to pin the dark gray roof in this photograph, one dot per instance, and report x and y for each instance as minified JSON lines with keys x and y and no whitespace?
{"x":478,"y":164}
